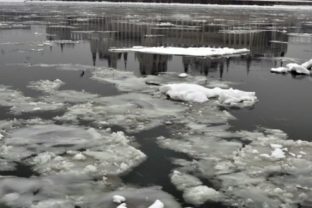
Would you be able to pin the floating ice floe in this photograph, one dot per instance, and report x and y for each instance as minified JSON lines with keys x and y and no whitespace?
{"x":18,"y":103}
{"x":69,"y":191}
{"x":194,"y":191}
{"x":183,"y":75}
{"x":68,"y":149}
{"x":132,"y":111}
{"x":267,"y":170}
{"x":196,"y":93}
{"x":118,"y":199}
{"x":46,"y":85}
{"x":62,"y":96}
{"x":295,"y":68}
{"x":128,"y":82}
{"x":157,"y":204}
{"x":151,"y":197}
{"x":125,"y":81}
{"x":307,"y":64}
{"x":179,"y":51}
{"x":300,"y":34}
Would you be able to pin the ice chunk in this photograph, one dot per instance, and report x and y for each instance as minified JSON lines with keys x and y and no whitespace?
{"x":61,"y":191}
{"x":280,"y":70}
{"x":200,"y":194}
{"x":47,"y":85}
{"x":183,"y":75}
{"x":51,"y":88}
{"x":144,"y":197}
{"x":193,"y":190}
{"x":123,"y":205}
{"x":307,"y":64}
{"x":21,"y":104}
{"x":200,"y":51}
{"x":56,"y":149}
{"x":90,"y":169}
{"x":278,"y":154}
{"x":125,"y":81}
{"x":157,"y":204}
{"x":197,"y":93}
{"x":183,"y":181}
{"x":118,"y":199}
{"x":296,"y":68}
{"x":53,"y":203}
{"x":79,"y":156}
{"x":133,"y":111}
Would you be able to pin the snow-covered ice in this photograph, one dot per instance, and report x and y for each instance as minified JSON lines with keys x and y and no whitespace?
{"x":304,"y":68}
{"x":296,"y":68}
{"x":179,"y":51}
{"x":196,"y":93}
{"x":307,"y":64}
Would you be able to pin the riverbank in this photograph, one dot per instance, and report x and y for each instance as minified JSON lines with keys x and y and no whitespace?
{"x":198,"y":2}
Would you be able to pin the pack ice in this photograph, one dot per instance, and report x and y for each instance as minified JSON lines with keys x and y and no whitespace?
{"x":19,"y":103}
{"x":253,"y":169}
{"x":69,"y":191}
{"x":51,"y":148}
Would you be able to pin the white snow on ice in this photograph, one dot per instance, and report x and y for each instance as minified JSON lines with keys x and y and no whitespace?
{"x":200,"y":51}
{"x":196,"y":93}
{"x":295,"y":68}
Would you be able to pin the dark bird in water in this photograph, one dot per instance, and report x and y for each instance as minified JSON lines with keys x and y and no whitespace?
{"x":82,"y":74}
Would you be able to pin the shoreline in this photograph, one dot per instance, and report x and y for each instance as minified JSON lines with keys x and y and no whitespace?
{"x":287,"y":4}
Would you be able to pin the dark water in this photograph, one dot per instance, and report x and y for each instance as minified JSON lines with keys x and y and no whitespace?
{"x":284,"y":101}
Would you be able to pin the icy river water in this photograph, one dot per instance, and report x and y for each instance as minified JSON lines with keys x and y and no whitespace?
{"x":85,"y":125}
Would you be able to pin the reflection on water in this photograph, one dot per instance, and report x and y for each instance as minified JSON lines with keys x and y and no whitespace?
{"x":107,"y":32}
